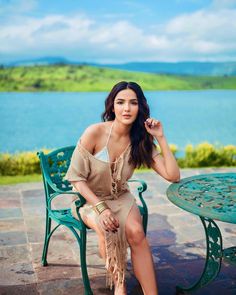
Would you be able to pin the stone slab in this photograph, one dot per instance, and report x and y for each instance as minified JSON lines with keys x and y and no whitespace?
{"x":17,"y":274}
{"x":175,"y":236}
{"x":7,"y":225}
{"x":12,"y":238}
{"x":10,"y":213}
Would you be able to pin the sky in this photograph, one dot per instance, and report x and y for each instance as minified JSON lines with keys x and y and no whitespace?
{"x":108,"y":31}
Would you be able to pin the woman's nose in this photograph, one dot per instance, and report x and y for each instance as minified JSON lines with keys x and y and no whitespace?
{"x":127,"y":106}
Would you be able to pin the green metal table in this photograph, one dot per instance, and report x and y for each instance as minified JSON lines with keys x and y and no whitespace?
{"x":211,"y":197}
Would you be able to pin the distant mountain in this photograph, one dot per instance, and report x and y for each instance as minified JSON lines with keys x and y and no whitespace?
{"x":51,"y":60}
{"x":180,"y":68}
{"x":177,"y":68}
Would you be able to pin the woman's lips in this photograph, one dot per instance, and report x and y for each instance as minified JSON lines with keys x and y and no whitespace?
{"x":127,"y":116}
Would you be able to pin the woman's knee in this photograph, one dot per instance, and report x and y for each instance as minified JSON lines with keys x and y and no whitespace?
{"x":135,"y":235}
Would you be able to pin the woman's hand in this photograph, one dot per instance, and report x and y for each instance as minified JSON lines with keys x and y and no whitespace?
{"x":108,"y":221}
{"x":154,"y":127}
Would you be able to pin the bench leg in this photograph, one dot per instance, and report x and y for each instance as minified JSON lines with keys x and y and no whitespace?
{"x":214,"y":255}
{"x":83,"y":237}
{"x":145,"y":222}
{"x":82,"y":244}
{"x":46,"y":239}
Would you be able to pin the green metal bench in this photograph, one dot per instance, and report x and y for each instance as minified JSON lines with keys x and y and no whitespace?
{"x":54,"y":167}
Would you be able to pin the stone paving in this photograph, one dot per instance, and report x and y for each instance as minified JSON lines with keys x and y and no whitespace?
{"x":176,"y":238}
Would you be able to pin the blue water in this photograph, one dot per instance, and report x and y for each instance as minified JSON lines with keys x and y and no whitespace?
{"x":31,"y":121}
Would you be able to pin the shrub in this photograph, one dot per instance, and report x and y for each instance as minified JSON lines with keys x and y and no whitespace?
{"x":19,"y":164}
{"x":202,"y":155}
{"x":205,"y":154}
{"x":173,"y":148}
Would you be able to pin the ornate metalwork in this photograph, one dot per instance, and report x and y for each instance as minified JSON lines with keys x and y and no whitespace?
{"x":214,"y":253}
{"x":210,"y":195}
{"x":54,"y":166}
{"x":58,"y":163}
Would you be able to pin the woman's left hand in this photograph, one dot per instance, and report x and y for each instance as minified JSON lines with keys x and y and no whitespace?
{"x":154,"y":127}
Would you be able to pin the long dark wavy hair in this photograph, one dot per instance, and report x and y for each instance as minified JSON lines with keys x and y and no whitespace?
{"x":141,"y":141}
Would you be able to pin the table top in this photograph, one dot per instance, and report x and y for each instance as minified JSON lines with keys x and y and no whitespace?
{"x":206,"y":195}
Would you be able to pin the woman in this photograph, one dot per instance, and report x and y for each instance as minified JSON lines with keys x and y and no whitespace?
{"x":103,"y":161}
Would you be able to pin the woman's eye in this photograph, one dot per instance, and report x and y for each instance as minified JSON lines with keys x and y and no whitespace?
{"x":132,"y":102}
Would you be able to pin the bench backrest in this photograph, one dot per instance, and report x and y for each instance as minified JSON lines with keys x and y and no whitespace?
{"x":54,"y":167}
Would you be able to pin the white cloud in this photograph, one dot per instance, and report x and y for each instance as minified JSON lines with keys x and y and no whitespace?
{"x":219,"y":4}
{"x":202,"y":35}
{"x":205,"y":32}
{"x":11,"y":6}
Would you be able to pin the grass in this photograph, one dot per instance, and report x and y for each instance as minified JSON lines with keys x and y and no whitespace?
{"x":6,"y":180}
{"x":71,"y":78}
{"x":10,"y":180}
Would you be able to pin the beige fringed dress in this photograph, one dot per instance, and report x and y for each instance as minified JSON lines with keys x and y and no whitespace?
{"x":109,"y":184}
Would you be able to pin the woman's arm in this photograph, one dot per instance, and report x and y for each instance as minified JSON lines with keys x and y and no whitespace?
{"x":83,"y":188}
{"x":107,"y":219}
{"x":164,"y":164}
{"x":87,"y":140}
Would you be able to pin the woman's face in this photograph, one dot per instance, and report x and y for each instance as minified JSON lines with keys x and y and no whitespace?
{"x":126,"y":106}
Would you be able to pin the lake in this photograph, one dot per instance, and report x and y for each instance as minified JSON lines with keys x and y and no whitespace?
{"x":31,"y":121}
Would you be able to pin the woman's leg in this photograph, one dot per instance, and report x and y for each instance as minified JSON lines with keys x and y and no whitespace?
{"x":119,"y":289}
{"x":101,"y":236}
{"x":140,"y":252}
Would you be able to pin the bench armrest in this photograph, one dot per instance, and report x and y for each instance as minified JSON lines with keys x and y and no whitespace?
{"x":142,"y":188}
{"x":79,"y":203}
{"x":81,"y":200}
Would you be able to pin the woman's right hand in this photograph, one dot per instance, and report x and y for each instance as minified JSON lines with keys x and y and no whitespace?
{"x":108,"y":220}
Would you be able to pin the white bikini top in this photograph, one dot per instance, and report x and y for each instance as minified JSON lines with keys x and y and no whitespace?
{"x":103,"y":154}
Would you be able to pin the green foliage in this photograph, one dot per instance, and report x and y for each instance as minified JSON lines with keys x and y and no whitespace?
{"x":173,"y":148}
{"x":25,"y":163}
{"x":203,"y":155}
{"x":5,"y":180}
{"x":87,"y":78}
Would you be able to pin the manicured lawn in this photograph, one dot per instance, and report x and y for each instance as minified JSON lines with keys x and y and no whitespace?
{"x":5,"y":180}
{"x":20,"y":179}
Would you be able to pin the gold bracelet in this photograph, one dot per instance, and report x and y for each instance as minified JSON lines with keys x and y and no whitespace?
{"x":100,"y":202}
{"x":100,"y":207}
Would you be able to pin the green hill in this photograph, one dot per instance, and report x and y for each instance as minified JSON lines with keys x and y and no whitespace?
{"x":89,"y":78}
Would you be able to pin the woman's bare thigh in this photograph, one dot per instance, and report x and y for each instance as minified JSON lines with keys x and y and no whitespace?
{"x":134,"y":218}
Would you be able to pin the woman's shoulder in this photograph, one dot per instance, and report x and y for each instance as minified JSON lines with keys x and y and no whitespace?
{"x":92,"y":134}
{"x":96,"y":129}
